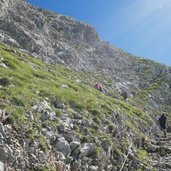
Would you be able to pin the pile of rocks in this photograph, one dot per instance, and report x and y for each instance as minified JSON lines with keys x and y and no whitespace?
{"x":61,"y":148}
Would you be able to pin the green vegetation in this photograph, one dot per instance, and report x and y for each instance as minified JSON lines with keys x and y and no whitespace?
{"x":49,"y":15}
{"x":143,"y":156}
{"x":43,"y":167}
{"x":31,"y":79}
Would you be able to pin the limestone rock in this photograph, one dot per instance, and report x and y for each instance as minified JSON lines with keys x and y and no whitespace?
{"x":93,"y":168}
{"x":63,"y":146}
{"x":74,"y":145}
{"x":86,"y":149}
{"x":1,"y":166}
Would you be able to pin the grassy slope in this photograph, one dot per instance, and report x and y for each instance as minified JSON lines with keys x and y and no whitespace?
{"x":33,"y":80}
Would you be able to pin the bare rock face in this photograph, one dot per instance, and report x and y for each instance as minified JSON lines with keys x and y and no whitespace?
{"x":58,"y":38}
{"x":42,"y":32}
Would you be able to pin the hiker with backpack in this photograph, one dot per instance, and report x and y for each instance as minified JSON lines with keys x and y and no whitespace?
{"x":125,"y":95}
{"x":162,"y":123}
{"x":99,"y":87}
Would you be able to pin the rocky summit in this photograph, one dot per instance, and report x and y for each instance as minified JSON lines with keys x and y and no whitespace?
{"x":51,"y":115}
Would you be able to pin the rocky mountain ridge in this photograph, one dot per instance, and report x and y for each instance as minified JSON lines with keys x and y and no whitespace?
{"x":68,"y":125}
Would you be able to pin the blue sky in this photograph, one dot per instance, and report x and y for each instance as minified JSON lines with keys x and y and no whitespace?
{"x":141,"y":27}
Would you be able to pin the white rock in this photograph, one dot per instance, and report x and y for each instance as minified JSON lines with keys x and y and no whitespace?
{"x":30,"y":116}
{"x":1,"y":166}
{"x":78,"y":81}
{"x":60,"y":53}
{"x":64,"y":86}
{"x":45,"y":105}
{"x":74,"y":145}
{"x":48,"y":134}
{"x":86,"y":149}
{"x":2,"y":65}
{"x":52,"y":115}
{"x":93,"y":168}
{"x":36,"y":108}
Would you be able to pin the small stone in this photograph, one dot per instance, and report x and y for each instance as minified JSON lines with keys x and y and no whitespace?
{"x":64,"y":86}
{"x":93,"y":168}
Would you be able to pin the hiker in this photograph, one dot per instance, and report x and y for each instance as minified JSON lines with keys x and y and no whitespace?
{"x":125,"y":95}
{"x":99,"y":87}
{"x":162,"y":123}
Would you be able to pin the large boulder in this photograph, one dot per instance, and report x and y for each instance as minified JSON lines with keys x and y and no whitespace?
{"x":63,"y":146}
{"x":45,"y":110}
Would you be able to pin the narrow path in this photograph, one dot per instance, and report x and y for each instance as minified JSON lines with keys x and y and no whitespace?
{"x":162,"y":156}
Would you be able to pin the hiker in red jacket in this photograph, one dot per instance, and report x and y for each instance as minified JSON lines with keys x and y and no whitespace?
{"x":99,"y":87}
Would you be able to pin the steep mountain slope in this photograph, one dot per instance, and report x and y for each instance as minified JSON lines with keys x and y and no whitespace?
{"x":52,"y":117}
{"x":50,"y":114}
{"x":57,"y":38}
